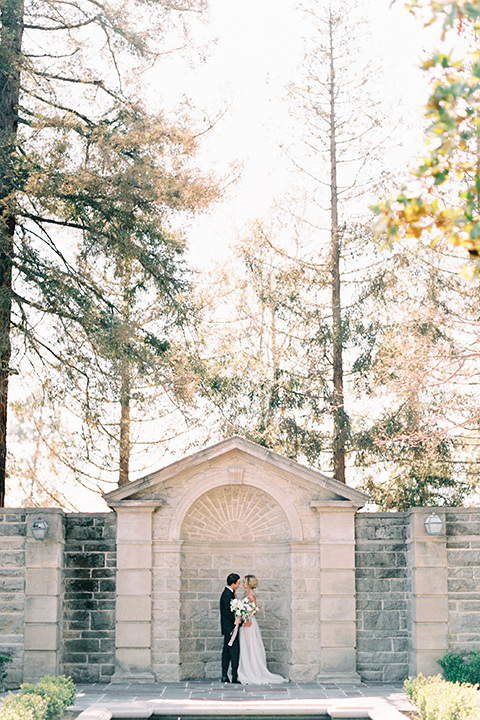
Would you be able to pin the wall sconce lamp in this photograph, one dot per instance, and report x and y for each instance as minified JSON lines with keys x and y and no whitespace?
{"x":40,"y":529}
{"x":433,"y":524}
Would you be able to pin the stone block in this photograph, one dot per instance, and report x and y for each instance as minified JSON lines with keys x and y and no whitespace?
{"x":340,"y":555}
{"x":134,"y":608}
{"x":465,"y":623}
{"x":134,"y":555}
{"x":134,"y":525}
{"x":133,"y":635}
{"x":134,"y":582}
{"x":194,"y":671}
{"x":337,"y":660}
{"x":367,"y":646}
{"x":83,"y":673}
{"x":107,"y":586}
{"x":337,"y":582}
{"x":466,"y":558}
{"x":337,"y":609}
{"x":85,"y":560}
{"x":11,"y":624}
{"x":429,"y":553}
{"x":462,"y":585}
{"x":39,"y":663}
{"x":338,"y":635}
{"x":84,"y":645}
{"x":42,"y":581}
{"x":81,"y":585}
{"x":337,"y":527}
{"x":427,"y":662}
{"x":54,"y":518}
{"x":432,"y":609}
{"x":43,"y":554}
{"x":42,"y":609}
{"x":102,"y":619}
{"x":385,"y":622}
{"x":430,"y":581}
{"x":167,"y":673}
{"x":12,"y":559}
{"x":431,"y":636}
{"x":41,"y":637}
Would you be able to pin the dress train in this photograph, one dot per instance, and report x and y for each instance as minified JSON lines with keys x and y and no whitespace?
{"x":252,"y":669}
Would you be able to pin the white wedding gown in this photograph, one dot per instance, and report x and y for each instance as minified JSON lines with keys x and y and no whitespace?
{"x":252,"y":669}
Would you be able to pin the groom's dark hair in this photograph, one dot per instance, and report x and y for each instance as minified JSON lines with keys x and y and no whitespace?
{"x":232,"y":578}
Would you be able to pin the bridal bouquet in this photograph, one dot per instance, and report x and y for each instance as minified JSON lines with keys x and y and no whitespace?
{"x":243,"y":610}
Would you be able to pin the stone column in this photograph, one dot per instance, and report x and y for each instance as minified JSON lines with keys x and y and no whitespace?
{"x":134,"y":591}
{"x":427,"y":558}
{"x":43,"y":591}
{"x":166,"y":610}
{"x":337,"y":591}
{"x":304,"y":619}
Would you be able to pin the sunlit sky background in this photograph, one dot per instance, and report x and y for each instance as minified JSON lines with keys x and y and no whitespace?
{"x":257,"y":52}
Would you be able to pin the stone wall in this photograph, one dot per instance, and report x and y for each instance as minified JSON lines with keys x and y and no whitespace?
{"x":13,"y":530}
{"x":463,"y":577}
{"x":383,"y":590}
{"x":89,"y":601}
{"x":417,"y":596}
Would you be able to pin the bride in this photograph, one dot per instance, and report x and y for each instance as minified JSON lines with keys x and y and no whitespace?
{"x":252,"y":669}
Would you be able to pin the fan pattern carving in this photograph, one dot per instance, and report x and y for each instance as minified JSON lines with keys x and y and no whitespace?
{"x":235,"y":512}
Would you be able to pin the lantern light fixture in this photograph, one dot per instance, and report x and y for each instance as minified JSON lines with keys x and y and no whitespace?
{"x":433,"y":524}
{"x":40,"y":529}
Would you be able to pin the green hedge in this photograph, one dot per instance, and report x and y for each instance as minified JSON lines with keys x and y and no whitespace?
{"x":461,"y":668}
{"x":46,"y":700}
{"x":439,"y":699}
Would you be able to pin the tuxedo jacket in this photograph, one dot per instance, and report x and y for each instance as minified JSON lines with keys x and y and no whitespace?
{"x":227,"y":617}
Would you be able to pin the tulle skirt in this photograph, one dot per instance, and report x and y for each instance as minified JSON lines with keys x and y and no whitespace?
{"x":252,"y":669}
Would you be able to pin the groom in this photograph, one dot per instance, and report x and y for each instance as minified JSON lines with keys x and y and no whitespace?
{"x":230,"y":653}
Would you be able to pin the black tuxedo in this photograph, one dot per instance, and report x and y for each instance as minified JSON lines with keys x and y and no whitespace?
{"x":230,"y":653}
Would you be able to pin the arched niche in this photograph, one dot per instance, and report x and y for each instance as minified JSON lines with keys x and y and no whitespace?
{"x":263,"y":484}
{"x":233,"y":528}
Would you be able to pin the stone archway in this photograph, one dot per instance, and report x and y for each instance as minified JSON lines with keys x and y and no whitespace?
{"x":243,"y":529}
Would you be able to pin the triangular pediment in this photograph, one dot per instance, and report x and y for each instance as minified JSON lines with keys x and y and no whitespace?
{"x":236,"y":452}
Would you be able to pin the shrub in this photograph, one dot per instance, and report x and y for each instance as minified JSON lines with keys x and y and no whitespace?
{"x":4,"y":660}
{"x":460,"y":668}
{"x":439,"y":699}
{"x":46,"y":700}
{"x":16,"y":707}
{"x":57,"y":691}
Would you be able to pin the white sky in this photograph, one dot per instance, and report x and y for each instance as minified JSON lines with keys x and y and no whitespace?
{"x":258,"y":50}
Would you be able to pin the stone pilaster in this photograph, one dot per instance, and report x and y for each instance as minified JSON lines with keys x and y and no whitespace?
{"x":304,"y":623}
{"x":337,"y":591}
{"x":134,"y":591}
{"x":427,"y":555}
{"x":167,"y":611}
{"x":43,"y":595}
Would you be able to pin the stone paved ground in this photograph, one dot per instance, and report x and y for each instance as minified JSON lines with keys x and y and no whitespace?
{"x":100,"y":701}
{"x":218,"y":695}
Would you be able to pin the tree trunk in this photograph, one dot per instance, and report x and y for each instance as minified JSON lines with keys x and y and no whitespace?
{"x":125,"y":378}
{"x":337,"y":340}
{"x":10,"y":61}
{"x":124,"y":464}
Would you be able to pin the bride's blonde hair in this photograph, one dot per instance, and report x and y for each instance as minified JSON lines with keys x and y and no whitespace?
{"x":251,"y":581}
